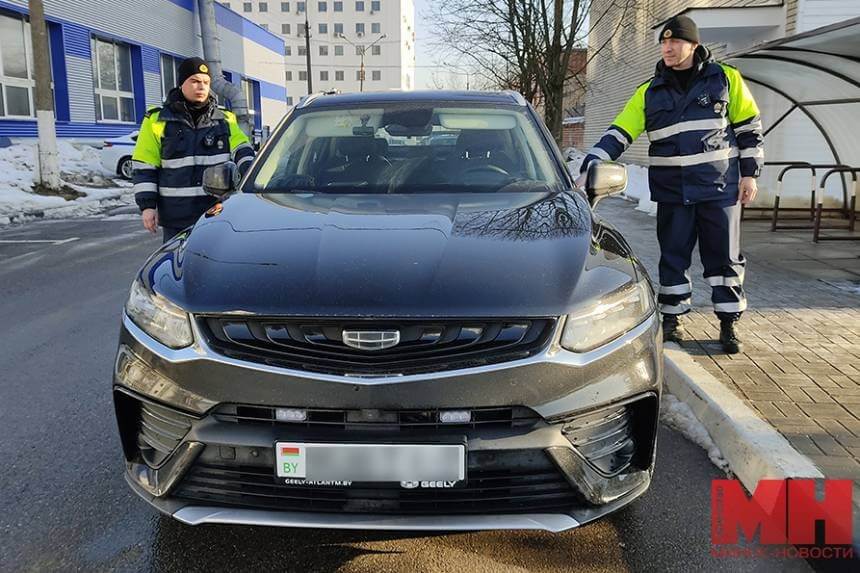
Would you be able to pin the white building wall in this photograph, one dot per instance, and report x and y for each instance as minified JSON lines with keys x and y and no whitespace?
{"x":813,"y":14}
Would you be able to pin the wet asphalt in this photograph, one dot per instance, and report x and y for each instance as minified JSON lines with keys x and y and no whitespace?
{"x":64,"y":505}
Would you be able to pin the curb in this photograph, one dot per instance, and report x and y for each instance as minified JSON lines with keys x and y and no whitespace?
{"x":754,"y":449}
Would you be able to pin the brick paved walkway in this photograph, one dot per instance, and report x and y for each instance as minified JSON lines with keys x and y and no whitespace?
{"x":800,"y":368}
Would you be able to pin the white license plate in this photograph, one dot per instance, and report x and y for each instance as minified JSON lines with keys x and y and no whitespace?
{"x":370,"y":462}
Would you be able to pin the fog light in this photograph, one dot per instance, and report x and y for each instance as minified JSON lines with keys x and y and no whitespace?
{"x":455,"y":416}
{"x":291,"y":414}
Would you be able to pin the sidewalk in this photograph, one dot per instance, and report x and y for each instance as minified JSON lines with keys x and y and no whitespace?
{"x":800,"y":369}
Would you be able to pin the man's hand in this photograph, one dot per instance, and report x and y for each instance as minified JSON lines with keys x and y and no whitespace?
{"x":747,"y":190}
{"x":150,"y":220}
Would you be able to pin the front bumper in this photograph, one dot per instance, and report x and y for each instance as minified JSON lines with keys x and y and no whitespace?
{"x":191,"y":483}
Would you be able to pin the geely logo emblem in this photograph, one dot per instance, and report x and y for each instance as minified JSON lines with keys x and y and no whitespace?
{"x":409,"y":484}
{"x":371,"y":339}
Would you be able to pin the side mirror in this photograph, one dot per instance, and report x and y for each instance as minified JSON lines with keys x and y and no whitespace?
{"x":604,"y":178}
{"x":221,"y":180}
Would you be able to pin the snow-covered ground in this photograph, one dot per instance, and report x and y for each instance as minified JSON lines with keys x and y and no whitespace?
{"x":637,"y":180}
{"x":80,"y":169}
{"x":678,"y":416}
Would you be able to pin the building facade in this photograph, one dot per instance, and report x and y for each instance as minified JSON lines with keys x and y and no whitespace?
{"x":631,"y":45}
{"x":110,"y":61}
{"x":340,"y":31}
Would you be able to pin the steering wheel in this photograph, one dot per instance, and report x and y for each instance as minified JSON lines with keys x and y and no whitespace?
{"x":493,"y":169}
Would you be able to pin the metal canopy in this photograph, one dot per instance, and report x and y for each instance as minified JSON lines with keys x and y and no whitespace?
{"x":808,"y":89}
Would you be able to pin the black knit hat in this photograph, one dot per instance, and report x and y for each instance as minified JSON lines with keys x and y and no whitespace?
{"x":189,"y":67}
{"x":681,"y":27}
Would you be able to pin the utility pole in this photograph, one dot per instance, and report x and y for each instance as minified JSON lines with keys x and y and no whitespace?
{"x":308,"y":53}
{"x":362,"y":50}
{"x":49,"y":161}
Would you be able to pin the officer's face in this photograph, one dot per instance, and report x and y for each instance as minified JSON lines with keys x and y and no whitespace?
{"x":676,"y":52}
{"x":196,"y":88}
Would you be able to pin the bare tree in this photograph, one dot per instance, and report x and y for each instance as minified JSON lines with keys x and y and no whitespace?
{"x":525,"y":45}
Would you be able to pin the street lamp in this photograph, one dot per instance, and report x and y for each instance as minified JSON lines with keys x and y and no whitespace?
{"x":362,"y":50}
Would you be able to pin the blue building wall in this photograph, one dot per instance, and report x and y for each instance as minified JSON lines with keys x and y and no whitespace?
{"x":143,"y":26}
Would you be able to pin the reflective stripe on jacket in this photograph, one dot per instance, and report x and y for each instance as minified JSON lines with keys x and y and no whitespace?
{"x":701,"y":140}
{"x":171,"y":154}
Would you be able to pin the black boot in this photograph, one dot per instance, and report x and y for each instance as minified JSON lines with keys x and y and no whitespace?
{"x":729,"y":337}
{"x":671,"y":329}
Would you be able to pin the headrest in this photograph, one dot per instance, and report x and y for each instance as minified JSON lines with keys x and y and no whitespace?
{"x":481,"y":141}
{"x":355,"y":146}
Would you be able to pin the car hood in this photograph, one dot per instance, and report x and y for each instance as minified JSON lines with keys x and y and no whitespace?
{"x":420,"y":255}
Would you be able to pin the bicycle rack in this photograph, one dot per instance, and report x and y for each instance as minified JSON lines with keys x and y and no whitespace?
{"x":850,"y":203}
{"x":813,"y":206}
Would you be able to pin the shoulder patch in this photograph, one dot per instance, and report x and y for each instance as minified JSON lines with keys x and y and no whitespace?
{"x":152,"y":110}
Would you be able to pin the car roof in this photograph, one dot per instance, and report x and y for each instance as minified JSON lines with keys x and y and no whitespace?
{"x":424,"y":96}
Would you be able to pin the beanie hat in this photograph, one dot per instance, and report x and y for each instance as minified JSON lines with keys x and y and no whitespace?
{"x":189,"y":67}
{"x":681,"y":27}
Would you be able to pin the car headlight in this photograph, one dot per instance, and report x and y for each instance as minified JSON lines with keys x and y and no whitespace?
{"x":605,"y":319}
{"x":158,"y":317}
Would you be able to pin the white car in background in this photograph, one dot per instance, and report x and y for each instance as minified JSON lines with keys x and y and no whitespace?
{"x":116,"y":154}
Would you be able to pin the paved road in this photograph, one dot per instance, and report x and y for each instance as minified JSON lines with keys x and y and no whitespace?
{"x":66,"y":507}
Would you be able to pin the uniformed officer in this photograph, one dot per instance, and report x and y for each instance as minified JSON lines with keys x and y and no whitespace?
{"x":176,"y":143}
{"x":705,"y":155}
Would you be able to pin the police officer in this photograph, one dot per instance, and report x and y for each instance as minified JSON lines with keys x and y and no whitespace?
{"x":176,"y":143}
{"x":704,"y":157}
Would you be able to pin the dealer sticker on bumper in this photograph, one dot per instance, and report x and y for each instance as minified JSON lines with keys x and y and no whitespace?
{"x":370,"y":462}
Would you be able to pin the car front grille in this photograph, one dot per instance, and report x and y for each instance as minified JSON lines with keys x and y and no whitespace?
{"x":424,"y":346}
{"x":383,"y":420}
{"x":533,"y":486}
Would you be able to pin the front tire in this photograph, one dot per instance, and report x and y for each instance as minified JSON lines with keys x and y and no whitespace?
{"x":125,"y":168}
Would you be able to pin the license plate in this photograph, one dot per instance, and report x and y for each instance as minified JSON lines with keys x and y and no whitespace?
{"x":371,"y":462}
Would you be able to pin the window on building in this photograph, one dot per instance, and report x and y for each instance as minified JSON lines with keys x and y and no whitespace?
{"x":338,"y":6}
{"x":338,"y":29}
{"x":285,"y":6}
{"x":338,"y":50}
{"x":359,"y":29}
{"x":322,"y":6}
{"x":323,"y":76}
{"x":323,"y":28}
{"x":16,"y":68}
{"x":265,"y":27}
{"x":376,"y":75}
{"x":303,"y":50}
{"x":247,"y":7}
{"x":289,"y":75}
{"x":323,"y":50}
{"x":248,"y":88}
{"x":285,"y":29}
{"x":114,"y":91}
{"x":338,"y":76}
{"x":374,"y":6}
{"x":359,"y":6}
{"x":376,"y":28}
{"x":169,"y":73}
{"x":359,"y":50}
{"x":300,"y":6}
{"x":226,"y":5}
{"x":264,"y":6}
{"x":303,"y":75}
{"x":289,"y":100}
{"x":288,"y":50}
{"x":376,"y":50}
{"x":358,"y":75}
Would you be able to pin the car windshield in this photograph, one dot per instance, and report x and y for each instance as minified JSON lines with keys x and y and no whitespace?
{"x":408,"y":148}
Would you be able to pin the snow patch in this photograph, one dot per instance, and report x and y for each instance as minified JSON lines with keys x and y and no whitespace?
{"x":80,"y":168}
{"x":678,"y":416}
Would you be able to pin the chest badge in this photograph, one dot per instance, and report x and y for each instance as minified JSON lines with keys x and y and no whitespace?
{"x":220,"y":145}
{"x":209,"y":140}
{"x":718,"y":107}
{"x":704,"y":100}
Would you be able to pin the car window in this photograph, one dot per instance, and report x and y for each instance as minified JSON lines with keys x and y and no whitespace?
{"x":408,"y":148}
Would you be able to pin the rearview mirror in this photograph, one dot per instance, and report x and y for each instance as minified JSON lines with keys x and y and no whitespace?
{"x":221,"y":180}
{"x":605,"y":178}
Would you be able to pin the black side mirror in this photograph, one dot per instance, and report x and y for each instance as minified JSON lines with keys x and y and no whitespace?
{"x":604,"y":178}
{"x":221,"y":180}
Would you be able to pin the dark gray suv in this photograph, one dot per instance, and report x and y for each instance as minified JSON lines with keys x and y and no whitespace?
{"x":404,"y":317}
